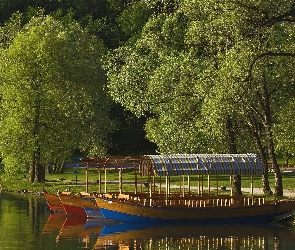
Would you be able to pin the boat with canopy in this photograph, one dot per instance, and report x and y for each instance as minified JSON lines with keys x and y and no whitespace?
{"x":157,"y":201}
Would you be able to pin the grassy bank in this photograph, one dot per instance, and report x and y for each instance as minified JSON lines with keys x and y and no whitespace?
{"x":76,"y":183}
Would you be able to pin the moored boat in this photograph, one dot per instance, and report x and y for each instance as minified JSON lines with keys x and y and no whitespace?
{"x":72,"y":204}
{"x":90,"y":207}
{"x":53,"y":202}
{"x":158,"y":206}
{"x":192,"y":211}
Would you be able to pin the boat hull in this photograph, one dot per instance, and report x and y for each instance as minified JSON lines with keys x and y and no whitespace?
{"x":54,"y":203}
{"x":72,"y":205}
{"x":90,"y":208}
{"x":128,"y":212}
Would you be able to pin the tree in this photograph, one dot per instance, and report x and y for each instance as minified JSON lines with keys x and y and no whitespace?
{"x":284,"y":129}
{"x":53,"y":98}
{"x":209,"y":73}
{"x":261,"y":65}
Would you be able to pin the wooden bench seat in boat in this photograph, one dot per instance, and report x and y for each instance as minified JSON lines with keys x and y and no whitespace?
{"x":192,"y":200}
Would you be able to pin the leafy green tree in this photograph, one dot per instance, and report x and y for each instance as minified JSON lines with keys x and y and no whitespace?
{"x":214,"y":76}
{"x":284,"y":130}
{"x":53,"y":99}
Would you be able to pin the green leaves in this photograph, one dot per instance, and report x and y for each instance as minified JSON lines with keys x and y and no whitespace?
{"x":53,"y":97}
{"x":202,"y":64}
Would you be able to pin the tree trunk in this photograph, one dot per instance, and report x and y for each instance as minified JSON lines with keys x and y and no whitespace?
{"x":36,"y":165}
{"x":58,"y":167}
{"x":270,"y":144}
{"x":263,"y":158}
{"x":38,"y":174}
{"x":287,"y":159}
{"x":37,"y":171}
{"x":32,"y":172}
{"x":236,"y":179}
{"x":273,"y":159}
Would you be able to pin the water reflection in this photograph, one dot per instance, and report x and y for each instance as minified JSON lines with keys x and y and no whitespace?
{"x":114,"y":235}
{"x":25,"y":223}
{"x":195,"y":237}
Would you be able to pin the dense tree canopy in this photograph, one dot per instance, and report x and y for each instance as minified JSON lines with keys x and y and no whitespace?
{"x":53,"y":99}
{"x":214,"y":75}
{"x":201,"y":76}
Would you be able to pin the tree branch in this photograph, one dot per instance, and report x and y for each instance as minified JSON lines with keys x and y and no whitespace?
{"x":266,"y":54}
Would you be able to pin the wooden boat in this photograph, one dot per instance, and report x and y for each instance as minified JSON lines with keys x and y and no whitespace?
{"x":54,"y":203}
{"x":90,"y":207}
{"x":193,"y":209}
{"x":188,"y":207}
{"x":72,"y":204}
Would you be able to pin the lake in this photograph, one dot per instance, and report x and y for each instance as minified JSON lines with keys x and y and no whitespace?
{"x":26,"y":223}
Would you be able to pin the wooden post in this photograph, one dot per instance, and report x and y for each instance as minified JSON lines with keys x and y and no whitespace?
{"x":99,"y":181}
{"x":231,"y":185}
{"x":199,"y":184}
{"x":169,"y":185}
{"x":183,"y":189}
{"x":189,"y":184}
{"x":252,"y":191}
{"x":105,"y":180}
{"x":141,"y":182}
{"x":135,"y":180}
{"x":202,"y":191}
{"x":209,"y":189}
{"x":166,"y":189}
{"x":120,"y":180}
{"x":150,"y":190}
{"x":180,"y":184}
{"x":217,"y":184}
{"x":86,"y":173}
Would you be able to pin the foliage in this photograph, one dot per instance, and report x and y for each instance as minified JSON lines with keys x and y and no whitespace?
{"x":284,"y":129}
{"x":53,"y":99}
{"x":211,"y":74}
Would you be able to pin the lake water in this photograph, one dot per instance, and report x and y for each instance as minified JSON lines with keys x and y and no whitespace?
{"x":25,"y":223}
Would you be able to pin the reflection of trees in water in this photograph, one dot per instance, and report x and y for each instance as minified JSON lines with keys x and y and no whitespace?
{"x":274,"y":236}
{"x":23,"y":218}
{"x":31,"y":205}
{"x":35,"y":212}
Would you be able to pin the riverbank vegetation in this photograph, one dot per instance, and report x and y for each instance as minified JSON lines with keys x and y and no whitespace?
{"x":129,"y":77}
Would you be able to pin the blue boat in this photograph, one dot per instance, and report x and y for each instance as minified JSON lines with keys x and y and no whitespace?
{"x":206,"y":205}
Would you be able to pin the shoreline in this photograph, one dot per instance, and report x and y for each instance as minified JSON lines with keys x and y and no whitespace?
{"x":288,"y":193}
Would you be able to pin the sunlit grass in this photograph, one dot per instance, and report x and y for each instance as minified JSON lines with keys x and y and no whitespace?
{"x":77,"y":182}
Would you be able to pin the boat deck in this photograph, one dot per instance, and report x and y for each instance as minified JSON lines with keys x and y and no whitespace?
{"x":177,"y":200}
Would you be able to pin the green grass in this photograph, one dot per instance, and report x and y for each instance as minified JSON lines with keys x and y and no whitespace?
{"x":67,"y":181}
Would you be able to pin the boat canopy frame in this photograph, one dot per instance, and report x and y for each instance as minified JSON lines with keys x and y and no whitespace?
{"x":201,"y":164}
{"x":176,"y":165}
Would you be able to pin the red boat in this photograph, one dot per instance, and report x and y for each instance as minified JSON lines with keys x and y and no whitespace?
{"x":72,"y":204}
{"x":54,"y":203}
